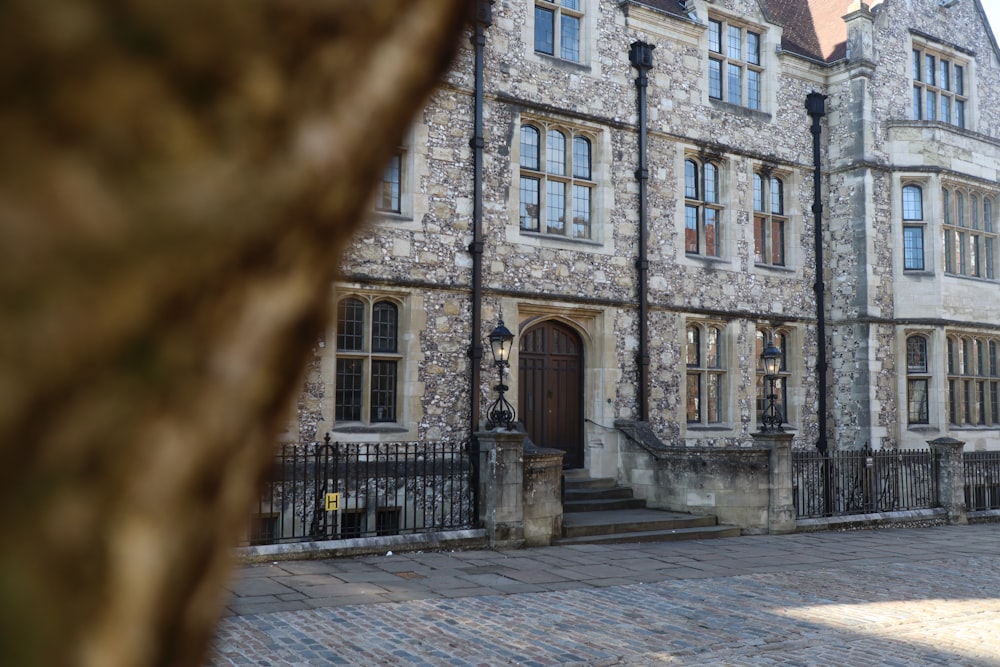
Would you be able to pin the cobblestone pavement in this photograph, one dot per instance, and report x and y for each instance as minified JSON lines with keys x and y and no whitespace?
{"x":901,"y":597}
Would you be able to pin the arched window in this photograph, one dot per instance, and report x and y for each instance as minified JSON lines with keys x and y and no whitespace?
{"x":702,"y":212}
{"x":555,"y":154}
{"x":385,"y":316}
{"x":350,"y":325}
{"x":916,"y":354}
{"x":769,"y":221}
{"x":970,"y":241}
{"x":693,"y":347}
{"x":913,"y":203}
{"x":692,"y":188}
{"x":556,"y":194}
{"x":973,"y":384}
{"x":705,"y":374}
{"x":917,"y":380}
{"x":913,"y":228}
{"x":529,"y":147}
{"x":367,"y":360}
{"x":581,"y":157}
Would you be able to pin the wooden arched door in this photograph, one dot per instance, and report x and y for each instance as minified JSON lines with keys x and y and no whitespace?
{"x":550,"y":389}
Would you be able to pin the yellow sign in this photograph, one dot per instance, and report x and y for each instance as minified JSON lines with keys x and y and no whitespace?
{"x":332,"y":502}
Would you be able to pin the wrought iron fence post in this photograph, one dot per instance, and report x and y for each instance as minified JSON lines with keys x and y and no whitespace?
{"x":472,"y":451}
{"x":827,"y":468}
{"x":335,"y":477}
{"x":869,"y":473}
{"x":317,"y":528}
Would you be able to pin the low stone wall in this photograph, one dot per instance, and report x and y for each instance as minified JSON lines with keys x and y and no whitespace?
{"x":520,"y":502}
{"x":543,"y":510}
{"x":731,"y":484}
{"x":751,"y":487}
{"x":744,"y":486}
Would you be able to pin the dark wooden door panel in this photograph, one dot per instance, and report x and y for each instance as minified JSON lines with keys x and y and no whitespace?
{"x":550,"y":378}
{"x":532,"y":394}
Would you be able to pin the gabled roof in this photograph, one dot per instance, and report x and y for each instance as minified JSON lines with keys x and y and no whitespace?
{"x":813,"y":28}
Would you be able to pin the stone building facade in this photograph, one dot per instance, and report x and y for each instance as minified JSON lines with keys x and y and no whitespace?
{"x":645,"y":227}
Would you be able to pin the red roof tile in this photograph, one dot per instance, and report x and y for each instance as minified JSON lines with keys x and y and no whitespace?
{"x":813,"y":28}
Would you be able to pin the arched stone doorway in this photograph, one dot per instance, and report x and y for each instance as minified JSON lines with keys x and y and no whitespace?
{"x":550,"y":395}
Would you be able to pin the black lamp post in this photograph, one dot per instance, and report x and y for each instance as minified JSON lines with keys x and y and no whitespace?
{"x":771,"y":418}
{"x":501,"y":412}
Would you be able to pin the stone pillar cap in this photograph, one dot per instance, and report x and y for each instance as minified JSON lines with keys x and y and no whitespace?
{"x":945,"y":440}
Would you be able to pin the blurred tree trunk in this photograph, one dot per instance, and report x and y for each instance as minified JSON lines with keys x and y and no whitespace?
{"x":176,"y":179}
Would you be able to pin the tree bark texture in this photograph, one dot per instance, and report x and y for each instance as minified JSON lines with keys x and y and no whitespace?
{"x":176,"y":180}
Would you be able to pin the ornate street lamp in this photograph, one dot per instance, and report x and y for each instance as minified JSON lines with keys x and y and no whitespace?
{"x":771,"y":418}
{"x":501,"y":412}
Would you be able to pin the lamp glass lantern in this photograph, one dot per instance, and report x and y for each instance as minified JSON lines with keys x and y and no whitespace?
{"x":501,"y":412}
{"x":771,"y":418}
{"x":771,"y":359}
{"x":500,"y":341}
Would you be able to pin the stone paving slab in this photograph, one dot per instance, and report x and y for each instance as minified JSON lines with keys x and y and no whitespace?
{"x":938,"y":603}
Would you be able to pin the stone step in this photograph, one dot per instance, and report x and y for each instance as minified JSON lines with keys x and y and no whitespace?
{"x":574,"y":494}
{"x":585,"y":494}
{"x":580,"y":524}
{"x":670,"y":535}
{"x":576,"y":482}
{"x":599,"y":511}
{"x":575,"y":505}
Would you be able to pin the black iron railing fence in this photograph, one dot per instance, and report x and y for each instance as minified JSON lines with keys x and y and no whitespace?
{"x":334,"y":490}
{"x":982,"y":480}
{"x":862,"y":481}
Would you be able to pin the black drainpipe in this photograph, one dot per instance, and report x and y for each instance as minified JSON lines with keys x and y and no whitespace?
{"x":641,"y":57}
{"x":816,"y":108}
{"x":484,"y":19}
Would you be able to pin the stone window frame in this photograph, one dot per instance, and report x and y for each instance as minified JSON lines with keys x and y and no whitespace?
{"x":970,"y":231}
{"x":722,"y":54}
{"x":700,"y":371}
{"x":599,"y":182}
{"x":919,"y":378}
{"x":700,"y":206}
{"x":410,"y":172}
{"x":763,"y":238}
{"x":588,"y":65}
{"x":930,"y":88}
{"x":405,"y":356}
{"x":782,"y":335}
{"x":391,"y":185}
{"x":564,"y":13}
{"x":972,"y":389}
{"x":914,"y":226}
